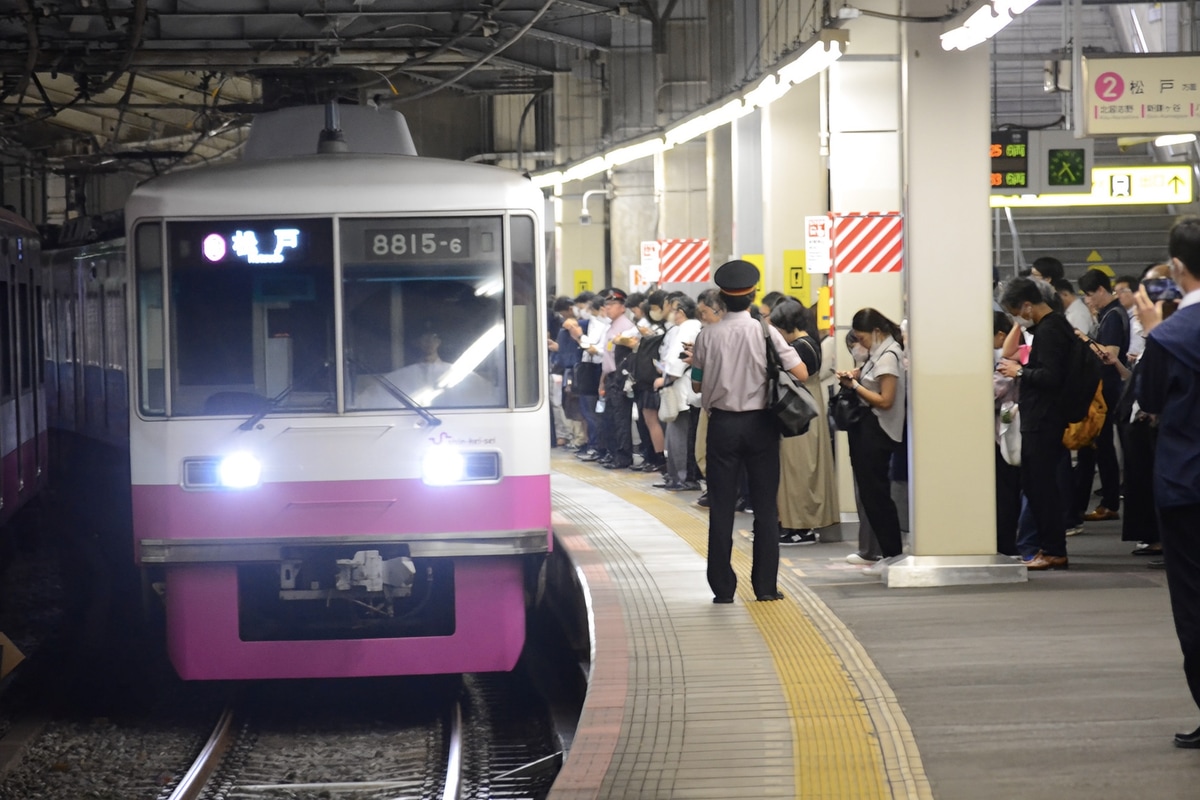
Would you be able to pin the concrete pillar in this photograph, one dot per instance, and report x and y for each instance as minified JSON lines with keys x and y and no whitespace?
{"x":948,"y":256}
{"x":747,"y":173}
{"x":864,"y":175}
{"x":634,"y":217}
{"x":720,"y":194}
{"x":795,"y":184}
{"x":683,"y":210}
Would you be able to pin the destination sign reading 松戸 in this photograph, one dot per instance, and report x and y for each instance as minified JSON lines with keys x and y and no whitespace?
{"x":1141,"y":94}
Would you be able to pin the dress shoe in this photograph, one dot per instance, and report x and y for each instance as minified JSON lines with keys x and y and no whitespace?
{"x":1191,"y":741}
{"x":702,"y":500}
{"x":769,"y":596}
{"x":616,"y":465}
{"x":722,"y":600}
{"x":670,"y":486}
{"x":686,"y":486}
{"x":1042,"y":562}
{"x":1147,"y":550}
{"x":1101,"y":514}
{"x":605,"y":459}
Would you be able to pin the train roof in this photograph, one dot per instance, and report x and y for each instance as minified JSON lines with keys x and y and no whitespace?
{"x":333,"y":184}
{"x":12,"y":221}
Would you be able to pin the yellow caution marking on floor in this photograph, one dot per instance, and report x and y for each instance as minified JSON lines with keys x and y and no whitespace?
{"x":849,"y":735}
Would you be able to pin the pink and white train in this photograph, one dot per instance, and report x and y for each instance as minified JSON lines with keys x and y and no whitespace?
{"x":332,"y":365}
{"x":23,"y":441}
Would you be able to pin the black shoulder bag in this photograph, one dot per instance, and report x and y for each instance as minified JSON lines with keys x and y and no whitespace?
{"x":792,"y":405}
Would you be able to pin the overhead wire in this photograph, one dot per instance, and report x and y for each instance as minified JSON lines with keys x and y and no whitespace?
{"x":453,"y":79}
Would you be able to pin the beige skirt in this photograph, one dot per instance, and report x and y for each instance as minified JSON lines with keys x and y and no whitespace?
{"x":807,"y":478}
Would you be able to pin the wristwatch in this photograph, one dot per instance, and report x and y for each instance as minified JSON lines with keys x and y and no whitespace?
{"x":1020,"y":371}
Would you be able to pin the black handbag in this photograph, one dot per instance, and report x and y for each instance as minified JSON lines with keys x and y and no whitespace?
{"x":792,"y":405}
{"x":847,"y":409}
{"x":587,"y":379}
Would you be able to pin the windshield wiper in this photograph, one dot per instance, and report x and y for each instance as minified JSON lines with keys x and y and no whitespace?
{"x":275,"y":401}
{"x":396,"y":392}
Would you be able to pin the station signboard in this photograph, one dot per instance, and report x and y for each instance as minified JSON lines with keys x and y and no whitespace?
{"x":1161,"y":184}
{"x":1141,"y":95}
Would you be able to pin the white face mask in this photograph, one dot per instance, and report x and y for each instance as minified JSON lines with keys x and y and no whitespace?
{"x":997,"y":354}
{"x":1024,"y":323}
{"x":670,"y":323}
{"x":859,"y":353}
{"x":657,"y":316}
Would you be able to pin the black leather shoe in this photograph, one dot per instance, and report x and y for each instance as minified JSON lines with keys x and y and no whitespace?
{"x":702,"y":500}
{"x":765,"y":598}
{"x":1190,"y":741}
{"x":722,"y":600}
{"x":687,"y":486}
{"x":670,"y":486}
{"x":616,"y":465}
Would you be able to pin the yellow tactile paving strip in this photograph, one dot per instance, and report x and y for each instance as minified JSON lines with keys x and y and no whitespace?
{"x":850,"y":738}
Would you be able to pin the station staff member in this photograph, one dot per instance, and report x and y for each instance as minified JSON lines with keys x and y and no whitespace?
{"x":729,"y":369}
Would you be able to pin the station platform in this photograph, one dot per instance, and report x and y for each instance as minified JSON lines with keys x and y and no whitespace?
{"x":1068,"y":686}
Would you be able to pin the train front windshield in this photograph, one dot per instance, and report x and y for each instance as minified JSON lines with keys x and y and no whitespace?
{"x":243,"y":316}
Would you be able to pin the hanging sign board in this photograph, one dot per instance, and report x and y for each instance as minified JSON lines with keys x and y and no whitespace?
{"x":1141,"y":94}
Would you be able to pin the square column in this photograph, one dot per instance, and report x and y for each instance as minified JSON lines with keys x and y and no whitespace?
{"x":946,"y":119}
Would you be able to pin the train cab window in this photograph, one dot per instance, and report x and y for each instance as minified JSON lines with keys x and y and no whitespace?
{"x":424,"y":312}
{"x":250,"y":305}
{"x":151,"y":343}
{"x":527,"y":336}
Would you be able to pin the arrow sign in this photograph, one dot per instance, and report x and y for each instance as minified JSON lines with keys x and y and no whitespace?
{"x":1176,"y":183}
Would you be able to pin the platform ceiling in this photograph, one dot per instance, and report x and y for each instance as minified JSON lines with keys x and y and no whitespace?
{"x":110,"y":84}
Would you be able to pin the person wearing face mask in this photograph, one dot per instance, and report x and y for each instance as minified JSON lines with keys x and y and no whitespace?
{"x":880,"y":384}
{"x":1043,"y":418}
{"x":1168,"y":386}
{"x":682,"y":328}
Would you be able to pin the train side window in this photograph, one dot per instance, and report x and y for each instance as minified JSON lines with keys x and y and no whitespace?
{"x":527,"y":335}
{"x":6,"y":354}
{"x":24,"y":347}
{"x":150,"y":344}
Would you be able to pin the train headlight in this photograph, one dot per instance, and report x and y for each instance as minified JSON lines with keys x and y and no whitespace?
{"x":239,"y":471}
{"x":443,"y":465}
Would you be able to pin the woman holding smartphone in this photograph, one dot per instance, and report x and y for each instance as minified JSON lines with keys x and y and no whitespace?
{"x":880,"y":384}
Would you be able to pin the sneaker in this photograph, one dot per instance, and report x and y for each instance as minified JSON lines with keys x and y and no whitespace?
{"x":858,"y":559}
{"x":1075,"y":530}
{"x":880,"y":567}
{"x":798,"y":536}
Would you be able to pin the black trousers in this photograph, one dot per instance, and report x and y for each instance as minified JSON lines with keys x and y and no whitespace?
{"x":1139,"y":523}
{"x":870,"y":459}
{"x":737,"y":440}
{"x":1180,"y":527}
{"x":693,"y":469}
{"x":618,"y":412}
{"x":1008,"y":505}
{"x":1041,"y":453}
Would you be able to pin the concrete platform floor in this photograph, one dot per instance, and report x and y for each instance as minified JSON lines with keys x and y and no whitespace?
{"x":1069,"y":686}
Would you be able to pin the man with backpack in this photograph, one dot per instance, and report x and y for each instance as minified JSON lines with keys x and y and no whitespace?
{"x":1044,"y":413}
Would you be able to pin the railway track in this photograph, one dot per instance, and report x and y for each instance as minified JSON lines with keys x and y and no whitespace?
{"x":472,"y":748}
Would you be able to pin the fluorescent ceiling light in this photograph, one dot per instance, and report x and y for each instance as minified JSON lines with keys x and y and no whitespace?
{"x":812,"y":61}
{"x":983,"y":23}
{"x":825,"y":48}
{"x":632,"y":152}
{"x":708,"y":121}
{"x":1174,"y":138}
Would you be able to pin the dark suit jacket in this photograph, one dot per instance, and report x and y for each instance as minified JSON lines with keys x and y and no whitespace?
{"x":1042,"y":381}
